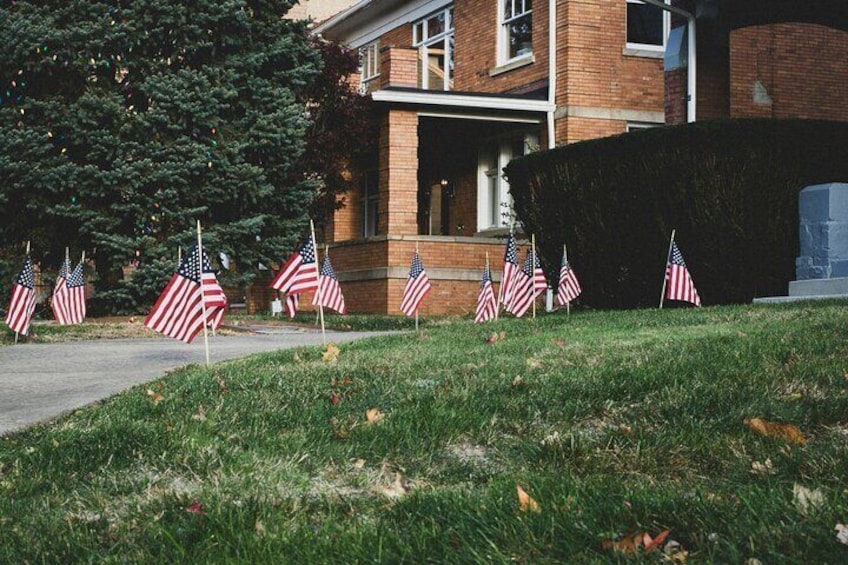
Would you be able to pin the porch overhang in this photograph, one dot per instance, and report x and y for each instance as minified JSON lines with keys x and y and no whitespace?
{"x":467,"y":105}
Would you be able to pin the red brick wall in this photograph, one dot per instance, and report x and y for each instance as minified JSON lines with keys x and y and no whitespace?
{"x":803,"y":67}
{"x":676,"y":84}
{"x":398,"y":163}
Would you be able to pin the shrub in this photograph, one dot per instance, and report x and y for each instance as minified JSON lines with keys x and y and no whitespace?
{"x":729,"y":187}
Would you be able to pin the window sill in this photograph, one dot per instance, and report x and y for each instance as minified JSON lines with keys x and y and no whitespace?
{"x":645,"y":52}
{"x":512,"y":65}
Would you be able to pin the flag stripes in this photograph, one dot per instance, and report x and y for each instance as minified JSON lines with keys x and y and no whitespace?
{"x":72,"y":301}
{"x":22,"y":304}
{"x":568,"y":288}
{"x":487,"y":304}
{"x":417,"y":287}
{"x":57,"y":302}
{"x":680,"y":285}
{"x":330,"y":289}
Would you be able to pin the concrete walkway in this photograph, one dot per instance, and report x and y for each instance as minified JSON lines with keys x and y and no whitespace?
{"x":41,"y":381}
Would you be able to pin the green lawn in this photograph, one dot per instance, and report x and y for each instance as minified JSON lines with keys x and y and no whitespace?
{"x":615,"y":423}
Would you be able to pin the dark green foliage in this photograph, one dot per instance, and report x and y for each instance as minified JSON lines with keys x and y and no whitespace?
{"x":124,"y":122}
{"x":729,"y":187}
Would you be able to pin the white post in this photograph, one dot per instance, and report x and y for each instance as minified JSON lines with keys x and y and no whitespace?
{"x":202,"y":298}
{"x":318,"y":289}
{"x":665,"y":273}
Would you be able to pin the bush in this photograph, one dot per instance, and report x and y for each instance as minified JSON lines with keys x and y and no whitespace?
{"x":729,"y":187}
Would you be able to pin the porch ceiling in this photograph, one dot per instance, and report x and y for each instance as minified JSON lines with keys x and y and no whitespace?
{"x":459,"y":105}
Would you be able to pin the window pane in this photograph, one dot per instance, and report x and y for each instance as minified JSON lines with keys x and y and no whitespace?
{"x":494,"y":200}
{"x":520,"y":36}
{"x":418,"y":32}
{"x":436,"y":25}
{"x":644,"y":24}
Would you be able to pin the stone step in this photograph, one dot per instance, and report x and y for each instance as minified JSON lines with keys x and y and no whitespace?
{"x":819,"y":287}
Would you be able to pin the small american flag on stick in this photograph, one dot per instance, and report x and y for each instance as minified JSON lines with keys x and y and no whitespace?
{"x":487,"y":304}
{"x":417,"y":287}
{"x":56,"y":303}
{"x":331,"y":292}
{"x":178,"y":313}
{"x":72,"y":300}
{"x":510,"y":271}
{"x":300,"y":272}
{"x":679,"y":283}
{"x":22,"y":304}
{"x":568,"y":288}
{"x":529,"y":284}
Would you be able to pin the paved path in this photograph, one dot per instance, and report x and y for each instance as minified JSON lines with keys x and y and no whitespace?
{"x":41,"y":381}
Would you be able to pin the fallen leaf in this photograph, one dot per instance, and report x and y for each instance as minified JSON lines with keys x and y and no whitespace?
{"x":260,"y":528}
{"x":807,"y":500}
{"x":842,"y":533}
{"x":534,"y":363}
{"x":517,"y":381}
{"x":201,"y":414}
{"x":334,"y":398}
{"x":331,"y":354}
{"x":764,"y":468}
{"x":155,"y":396}
{"x":373,"y":416}
{"x":627,"y":544}
{"x":358,"y":463}
{"x":55,"y":443}
{"x":397,"y":489}
{"x":296,"y":358}
{"x":776,"y":430}
{"x":527,"y":503}
{"x":559,"y":342}
{"x":653,"y":543}
{"x":495,"y":337}
{"x":196,"y":508}
{"x":222,"y":384}
{"x":675,"y":552}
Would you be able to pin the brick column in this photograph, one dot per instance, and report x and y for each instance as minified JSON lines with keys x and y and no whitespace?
{"x":399,"y":67}
{"x":398,"y":206}
{"x":676,"y":83}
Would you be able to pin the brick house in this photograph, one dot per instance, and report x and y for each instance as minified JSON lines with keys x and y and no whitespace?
{"x":462,"y":87}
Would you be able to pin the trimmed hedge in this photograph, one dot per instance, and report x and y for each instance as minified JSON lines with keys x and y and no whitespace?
{"x":729,"y":187}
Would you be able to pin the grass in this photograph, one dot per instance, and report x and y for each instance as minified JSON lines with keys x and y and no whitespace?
{"x":614,"y":422}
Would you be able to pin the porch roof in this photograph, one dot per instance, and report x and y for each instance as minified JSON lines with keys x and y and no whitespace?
{"x":531,"y":109}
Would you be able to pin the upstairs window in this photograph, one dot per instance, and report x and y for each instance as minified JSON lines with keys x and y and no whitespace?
{"x":370,"y":203}
{"x":369,"y":60}
{"x":647,"y":26}
{"x":516,"y":33}
{"x":434,"y":37}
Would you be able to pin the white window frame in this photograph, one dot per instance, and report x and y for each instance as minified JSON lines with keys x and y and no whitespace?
{"x":369,"y":57}
{"x":422,"y":39}
{"x":635,"y":126}
{"x":666,"y":15}
{"x":518,"y":10}
{"x":492,"y":158}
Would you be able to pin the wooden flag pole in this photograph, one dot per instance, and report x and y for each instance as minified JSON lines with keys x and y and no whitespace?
{"x":67,"y":255}
{"x":565,"y":258}
{"x":533,"y":267}
{"x":202,"y":298}
{"x":665,"y":274}
{"x":179,"y":255}
{"x":318,"y":288}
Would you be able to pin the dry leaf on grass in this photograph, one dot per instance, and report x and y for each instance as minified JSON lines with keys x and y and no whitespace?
{"x":764,"y":468}
{"x":517,"y":381}
{"x":534,"y":363}
{"x":495,"y":337}
{"x":259,"y":527}
{"x":675,"y":552}
{"x":155,"y":396}
{"x":331,"y":354}
{"x":201,"y":414}
{"x":222,"y":384}
{"x":775,"y":430}
{"x":334,"y":398}
{"x":527,"y":503}
{"x":842,"y":533}
{"x":373,"y":416}
{"x":396,"y":490}
{"x":631,"y":543}
{"x":559,"y":342}
{"x":807,"y":500}
{"x":196,"y":508}
{"x":296,"y":358}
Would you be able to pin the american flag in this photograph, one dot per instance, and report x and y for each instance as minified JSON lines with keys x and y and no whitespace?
{"x":487,"y":304}
{"x":568,"y":288}
{"x":213,"y":295}
{"x":22,"y":304}
{"x":417,"y":287}
{"x":510,"y":270}
{"x":330,"y":290}
{"x":679,"y":284}
{"x":300,"y":273}
{"x":529,"y":284}
{"x":178,"y":313}
{"x":292,"y":303}
{"x":56,"y":303}
{"x":72,"y":300}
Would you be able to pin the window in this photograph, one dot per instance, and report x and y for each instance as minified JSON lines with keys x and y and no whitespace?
{"x":434,"y":37}
{"x":636,"y":126}
{"x":516,"y":30}
{"x":647,"y":26}
{"x":371,"y":202}
{"x":494,"y":203}
{"x":369,"y":59}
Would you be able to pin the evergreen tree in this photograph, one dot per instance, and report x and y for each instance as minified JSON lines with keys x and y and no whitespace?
{"x":123,"y":122}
